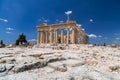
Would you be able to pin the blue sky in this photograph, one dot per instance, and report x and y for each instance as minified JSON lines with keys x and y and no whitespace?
{"x":99,"y":18}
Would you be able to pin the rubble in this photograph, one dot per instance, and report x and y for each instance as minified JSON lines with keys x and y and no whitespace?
{"x":71,"y":62}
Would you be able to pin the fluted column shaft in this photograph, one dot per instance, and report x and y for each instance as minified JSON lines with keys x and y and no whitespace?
{"x":62,"y":36}
{"x":56,"y":36}
{"x":43,"y":37}
{"x":50,"y":36}
{"x":65,"y":39}
{"x":46,"y":36}
{"x":38,"y":42}
{"x":40,"y":37}
{"x":73,"y":36}
{"x":68,"y":35}
{"x":54,"y":40}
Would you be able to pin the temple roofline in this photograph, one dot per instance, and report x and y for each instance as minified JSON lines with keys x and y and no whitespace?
{"x":49,"y":33}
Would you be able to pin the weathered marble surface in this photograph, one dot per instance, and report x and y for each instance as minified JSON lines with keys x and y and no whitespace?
{"x":75,"y":62}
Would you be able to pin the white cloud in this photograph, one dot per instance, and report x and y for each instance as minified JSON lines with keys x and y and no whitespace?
{"x":32,"y":40}
{"x":4,"y":20}
{"x":92,"y":36}
{"x":9,"y":28}
{"x":83,"y":29}
{"x":68,"y":12}
{"x":8,"y":32}
{"x":79,"y":25}
{"x":91,"y":20}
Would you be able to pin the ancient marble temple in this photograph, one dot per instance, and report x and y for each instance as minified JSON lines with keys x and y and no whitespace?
{"x":64,"y":33}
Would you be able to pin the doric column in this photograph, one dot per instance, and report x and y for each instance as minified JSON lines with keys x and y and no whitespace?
{"x":65,"y":39}
{"x":68,"y":35}
{"x":56,"y":35}
{"x":50,"y":36}
{"x":38,"y":42}
{"x":43,"y":37}
{"x":40,"y":37}
{"x":73,"y":36}
{"x":46,"y":36}
{"x":62,"y":36}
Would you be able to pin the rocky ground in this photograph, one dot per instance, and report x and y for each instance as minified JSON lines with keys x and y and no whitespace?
{"x":60,"y":62}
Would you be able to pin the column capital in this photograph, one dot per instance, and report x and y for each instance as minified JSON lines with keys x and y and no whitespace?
{"x":46,"y":31}
{"x":68,"y":29}
{"x":68,"y":26}
{"x":55,"y":29}
{"x":50,"y":30}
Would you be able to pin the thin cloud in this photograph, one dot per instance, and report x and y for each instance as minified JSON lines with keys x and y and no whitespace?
{"x":117,"y":38}
{"x":61,"y":21}
{"x":46,"y":21}
{"x":92,"y":36}
{"x":4,"y":20}
{"x":10,"y":29}
{"x":117,"y":34}
{"x":57,"y":19}
{"x":39,"y":20}
{"x":32,"y":40}
{"x":43,"y":20}
{"x":8,"y":32}
{"x":99,"y":36}
{"x":79,"y":25}
{"x":105,"y":38}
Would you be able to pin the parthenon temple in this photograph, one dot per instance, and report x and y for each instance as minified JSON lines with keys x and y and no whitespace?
{"x":64,"y":33}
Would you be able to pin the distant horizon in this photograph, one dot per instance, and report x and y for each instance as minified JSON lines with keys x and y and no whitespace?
{"x":99,"y":19}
